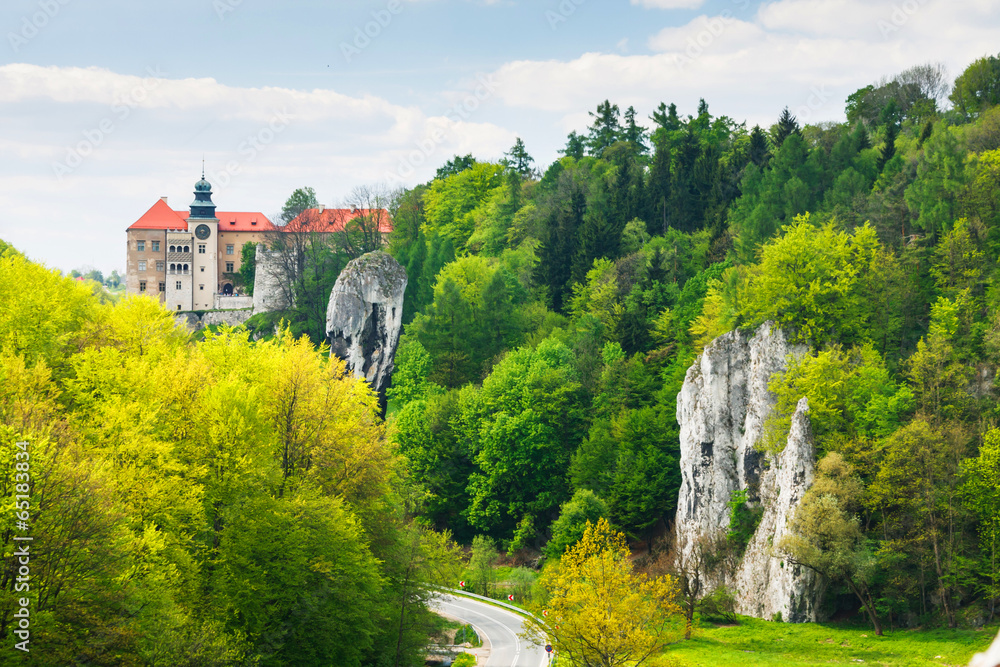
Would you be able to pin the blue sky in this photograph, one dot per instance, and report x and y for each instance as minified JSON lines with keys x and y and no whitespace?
{"x":106,"y":105}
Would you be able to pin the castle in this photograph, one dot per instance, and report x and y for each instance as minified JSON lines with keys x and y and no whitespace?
{"x":188,"y":259}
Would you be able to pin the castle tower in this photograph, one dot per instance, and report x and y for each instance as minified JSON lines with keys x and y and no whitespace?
{"x":205,"y":228}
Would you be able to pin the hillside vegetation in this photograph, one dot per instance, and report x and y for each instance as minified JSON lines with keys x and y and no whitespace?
{"x":551,"y":316}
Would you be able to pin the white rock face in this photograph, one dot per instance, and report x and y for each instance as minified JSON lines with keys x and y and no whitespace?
{"x":721,"y":411}
{"x":766,"y":583}
{"x":270,"y":277}
{"x":365,"y":315}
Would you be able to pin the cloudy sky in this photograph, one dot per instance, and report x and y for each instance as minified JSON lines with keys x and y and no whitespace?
{"x":106,"y":105}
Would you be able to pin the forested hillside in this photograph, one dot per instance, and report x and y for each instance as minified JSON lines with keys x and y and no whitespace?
{"x":552,"y":313}
{"x":219,"y":503}
{"x":238,"y":500}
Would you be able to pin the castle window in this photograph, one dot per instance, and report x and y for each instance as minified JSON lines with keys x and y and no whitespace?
{"x":142,"y":286}
{"x":201,"y":248}
{"x":178,"y":287}
{"x":229,"y":267}
{"x":173,"y":248}
{"x":185,"y":268}
{"x":142,"y":265}
{"x":156,"y":246}
{"x":203,"y":269}
{"x":140,"y":246}
{"x":187,"y":248}
{"x":201,"y":287}
{"x":163,"y":287}
{"x":159,"y":266}
{"x":229,"y":249}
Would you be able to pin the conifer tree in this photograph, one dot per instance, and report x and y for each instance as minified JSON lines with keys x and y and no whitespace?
{"x":787,"y":126}
{"x":760,"y":149}
{"x":606,"y":129}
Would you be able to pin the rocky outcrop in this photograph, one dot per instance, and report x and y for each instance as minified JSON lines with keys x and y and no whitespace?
{"x":364,"y":316}
{"x":766,"y":583}
{"x":721,"y":410}
{"x":272,"y":282}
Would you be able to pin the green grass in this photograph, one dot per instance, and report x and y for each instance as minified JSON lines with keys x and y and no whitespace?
{"x":757,"y":642}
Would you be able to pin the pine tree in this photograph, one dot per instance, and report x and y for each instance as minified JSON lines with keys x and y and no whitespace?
{"x":518,"y":160}
{"x":683,"y":192}
{"x":760,"y":149}
{"x":787,"y":126}
{"x":635,"y":134}
{"x":576,"y":146}
{"x":658,"y":189}
{"x":606,"y":129}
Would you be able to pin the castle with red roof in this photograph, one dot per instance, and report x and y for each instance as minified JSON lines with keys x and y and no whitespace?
{"x":187,"y":259}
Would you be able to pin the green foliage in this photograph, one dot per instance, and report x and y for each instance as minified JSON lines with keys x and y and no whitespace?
{"x":743,"y":520}
{"x":203,"y":503}
{"x":523,"y":425}
{"x":248,"y":267}
{"x":850,"y":394}
{"x":981,"y":492}
{"x":933,"y":196}
{"x":298,"y":201}
{"x":585,"y":506}
{"x":413,"y":368}
{"x":450,"y":202}
{"x":821,"y":284}
{"x":482,"y":564}
{"x":978,"y":87}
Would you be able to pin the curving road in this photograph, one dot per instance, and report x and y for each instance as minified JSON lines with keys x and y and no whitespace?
{"x":499,"y":629}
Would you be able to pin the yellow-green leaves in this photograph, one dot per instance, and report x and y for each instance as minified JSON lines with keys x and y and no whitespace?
{"x":820,"y":284}
{"x":600,"y":612}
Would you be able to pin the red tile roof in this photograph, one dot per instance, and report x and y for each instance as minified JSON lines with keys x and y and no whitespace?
{"x":334,"y":219}
{"x":160,"y":216}
{"x":243,"y":222}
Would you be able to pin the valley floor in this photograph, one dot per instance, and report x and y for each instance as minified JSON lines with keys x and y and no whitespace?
{"x":757,"y":642}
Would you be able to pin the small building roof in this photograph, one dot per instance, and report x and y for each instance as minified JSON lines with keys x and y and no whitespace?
{"x":160,"y":216}
{"x":335,"y":219}
{"x":243,"y":222}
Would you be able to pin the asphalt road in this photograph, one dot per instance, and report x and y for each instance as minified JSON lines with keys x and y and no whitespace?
{"x":499,"y":629}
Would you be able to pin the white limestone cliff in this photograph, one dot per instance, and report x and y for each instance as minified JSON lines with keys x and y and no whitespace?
{"x":721,"y":410}
{"x":365,"y":315}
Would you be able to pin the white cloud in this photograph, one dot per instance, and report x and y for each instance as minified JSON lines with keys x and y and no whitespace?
{"x":807,"y":54}
{"x":97,"y":148}
{"x":669,"y":4}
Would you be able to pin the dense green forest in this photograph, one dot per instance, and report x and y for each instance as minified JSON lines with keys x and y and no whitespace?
{"x":239,"y":500}
{"x":551,"y":316}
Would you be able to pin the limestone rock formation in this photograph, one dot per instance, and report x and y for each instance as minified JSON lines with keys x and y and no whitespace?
{"x":721,"y":411}
{"x":272,"y":282}
{"x":767,"y":584}
{"x":364,"y":316}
